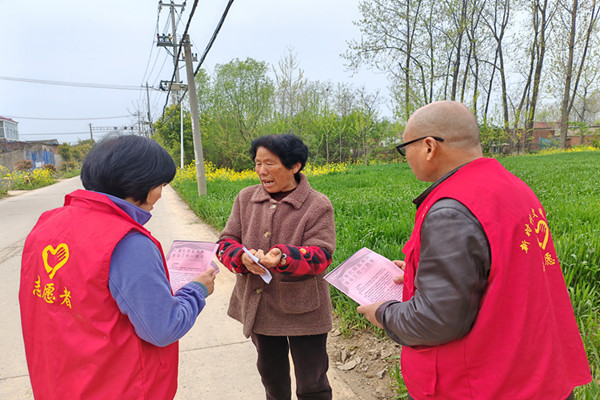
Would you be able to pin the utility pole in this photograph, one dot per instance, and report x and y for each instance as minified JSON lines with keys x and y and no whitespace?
{"x":200,"y":172}
{"x":171,"y":41}
{"x":91,"y":133}
{"x":175,"y":95}
{"x":149,"y":114}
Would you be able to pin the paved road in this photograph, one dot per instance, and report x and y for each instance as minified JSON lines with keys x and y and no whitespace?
{"x":216,"y":360}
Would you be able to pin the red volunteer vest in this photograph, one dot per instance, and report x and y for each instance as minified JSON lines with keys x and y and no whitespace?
{"x":524,"y":343}
{"x":78,"y":344}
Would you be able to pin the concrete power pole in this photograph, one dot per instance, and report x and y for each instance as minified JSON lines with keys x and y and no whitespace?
{"x":191,"y":83}
{"x":173,"y":43}
{"x":172,"y":5}
{"x":149,"y":114}
{"x":175,"y":96}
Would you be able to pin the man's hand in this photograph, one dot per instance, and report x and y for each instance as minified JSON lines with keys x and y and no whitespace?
{"x":369,"y":312}
{"x":207,"y":278}
{"x":400,"y":278}
{"x":250,"y":264}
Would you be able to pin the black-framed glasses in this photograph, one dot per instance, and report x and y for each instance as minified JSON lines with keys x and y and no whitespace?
{"x":401,"y":146}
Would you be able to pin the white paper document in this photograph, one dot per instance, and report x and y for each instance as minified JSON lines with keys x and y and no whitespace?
{"x":366,"y":277}
{"x":267,"y":275}
{"x":188,"y":259}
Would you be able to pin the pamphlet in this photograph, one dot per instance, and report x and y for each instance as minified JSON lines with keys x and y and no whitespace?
{"x":266,"y":276}
{"x":188,"y":259}
{"x":366,"y":277}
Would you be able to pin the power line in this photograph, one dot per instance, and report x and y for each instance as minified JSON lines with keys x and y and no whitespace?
{"x":150,"y":57}
{"x":68,"y":119}
{"x":77,"y":84}
{"x":206,"y":50}
{"x":214,"y":36}
{"x":187,"y":26}
{"x":54,"y":134}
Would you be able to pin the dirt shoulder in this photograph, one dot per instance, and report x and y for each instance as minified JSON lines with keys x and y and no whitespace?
{"x":364,"y":361}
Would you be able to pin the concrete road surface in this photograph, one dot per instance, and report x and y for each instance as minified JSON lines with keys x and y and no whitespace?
{"x":216,"y":360}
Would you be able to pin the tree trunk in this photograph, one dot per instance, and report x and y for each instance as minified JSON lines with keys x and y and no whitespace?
{"x":564,"y":114}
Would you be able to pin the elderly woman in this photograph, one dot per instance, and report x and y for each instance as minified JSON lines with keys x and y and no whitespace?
{"x":290,"y":227}
{"x":99,"y":318}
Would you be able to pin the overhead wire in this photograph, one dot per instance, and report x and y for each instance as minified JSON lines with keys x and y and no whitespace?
{"x":204,"y":54}
{"x":187,"y":26}
{"x":150,"y":58}
{"x":154,"y":42}
{"x":76,"y":84}
{"x":214,"y":36}
{"x":68,"y":119}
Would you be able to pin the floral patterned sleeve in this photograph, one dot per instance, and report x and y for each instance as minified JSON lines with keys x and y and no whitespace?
{"x":302,"y":260}
{"x":230,"y":254}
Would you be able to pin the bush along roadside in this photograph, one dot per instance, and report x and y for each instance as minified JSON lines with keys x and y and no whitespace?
{"x":26,"y":180}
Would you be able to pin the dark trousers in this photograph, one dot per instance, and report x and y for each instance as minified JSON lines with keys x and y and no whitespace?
{"x":309,"y":354}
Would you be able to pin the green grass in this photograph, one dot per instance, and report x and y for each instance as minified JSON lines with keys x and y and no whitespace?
{"x":373,"y":208}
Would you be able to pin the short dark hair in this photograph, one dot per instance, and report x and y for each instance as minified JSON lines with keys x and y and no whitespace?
{"x":126,"y":166}
{"x":289,"y":148}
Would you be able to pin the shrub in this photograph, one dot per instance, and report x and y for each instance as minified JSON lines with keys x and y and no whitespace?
{"x":23,"y":165}
{"x":69,"y":165}
{"x":50,"y":168}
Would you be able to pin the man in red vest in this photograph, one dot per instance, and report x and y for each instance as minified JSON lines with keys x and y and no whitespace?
{"x":486,"y":313}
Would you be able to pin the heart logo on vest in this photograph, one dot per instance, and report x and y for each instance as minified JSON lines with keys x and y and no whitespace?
{"x":542,"y":227}
{"x":60,"y":257}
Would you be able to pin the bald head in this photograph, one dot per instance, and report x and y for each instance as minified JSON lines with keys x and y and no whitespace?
{"x":450,"y":120}
{"x":431,"y":158}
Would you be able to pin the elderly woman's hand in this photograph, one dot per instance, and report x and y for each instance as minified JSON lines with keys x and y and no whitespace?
{"x":250,"y":264}
{"x":272,"y":258}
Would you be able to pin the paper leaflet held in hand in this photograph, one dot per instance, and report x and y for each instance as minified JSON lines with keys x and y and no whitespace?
{"x":366,"y":277}
{"x":266,"y":276}
{"x":187,"y":259}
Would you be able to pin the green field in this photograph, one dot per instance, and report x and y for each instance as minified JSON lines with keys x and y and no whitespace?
{"x":373,"y":208}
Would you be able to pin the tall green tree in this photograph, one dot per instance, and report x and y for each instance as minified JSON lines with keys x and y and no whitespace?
{"x":236,"y":107}
{"x":167,"y":132}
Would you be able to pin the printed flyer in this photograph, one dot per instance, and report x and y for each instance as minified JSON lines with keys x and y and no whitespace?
{"x":366,"y":277}
{"x":188,"y":259}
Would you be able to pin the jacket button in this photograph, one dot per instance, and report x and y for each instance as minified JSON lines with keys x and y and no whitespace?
{"x":258,"y":291}
{"x":267,"y":234}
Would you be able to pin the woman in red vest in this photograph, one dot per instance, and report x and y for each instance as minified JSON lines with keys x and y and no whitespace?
{"x":486,"y":313}
{"x":98,"y":315}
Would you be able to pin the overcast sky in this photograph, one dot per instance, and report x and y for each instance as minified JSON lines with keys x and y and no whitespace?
{"x":112,"y":42}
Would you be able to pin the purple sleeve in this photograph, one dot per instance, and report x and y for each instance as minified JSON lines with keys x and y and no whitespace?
{"x":139,"y":285}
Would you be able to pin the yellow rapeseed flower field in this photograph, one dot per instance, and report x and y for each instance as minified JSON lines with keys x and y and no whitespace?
{"x":188,"y":173}
{"x":575,"y":149}
{"x":23,"y":180}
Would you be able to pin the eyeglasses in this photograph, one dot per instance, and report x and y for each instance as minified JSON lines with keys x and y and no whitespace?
{"x":401,"y":146}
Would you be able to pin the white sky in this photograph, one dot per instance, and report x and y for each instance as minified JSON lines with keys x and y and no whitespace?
{"x":112,"y":42}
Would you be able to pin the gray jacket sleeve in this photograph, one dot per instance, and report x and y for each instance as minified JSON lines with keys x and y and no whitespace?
{"x":451,"y":278}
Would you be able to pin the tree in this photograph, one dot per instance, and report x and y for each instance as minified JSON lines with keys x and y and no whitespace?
{"x":542,"y":14}
{"x":496,"y":17}
{"x":167,"y":133}
{"x":389,"y":30}
{"x":289,"y":95}
{"x":578,"y":46}
{"x":364,"y":121}
{"x":235,"y":108}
